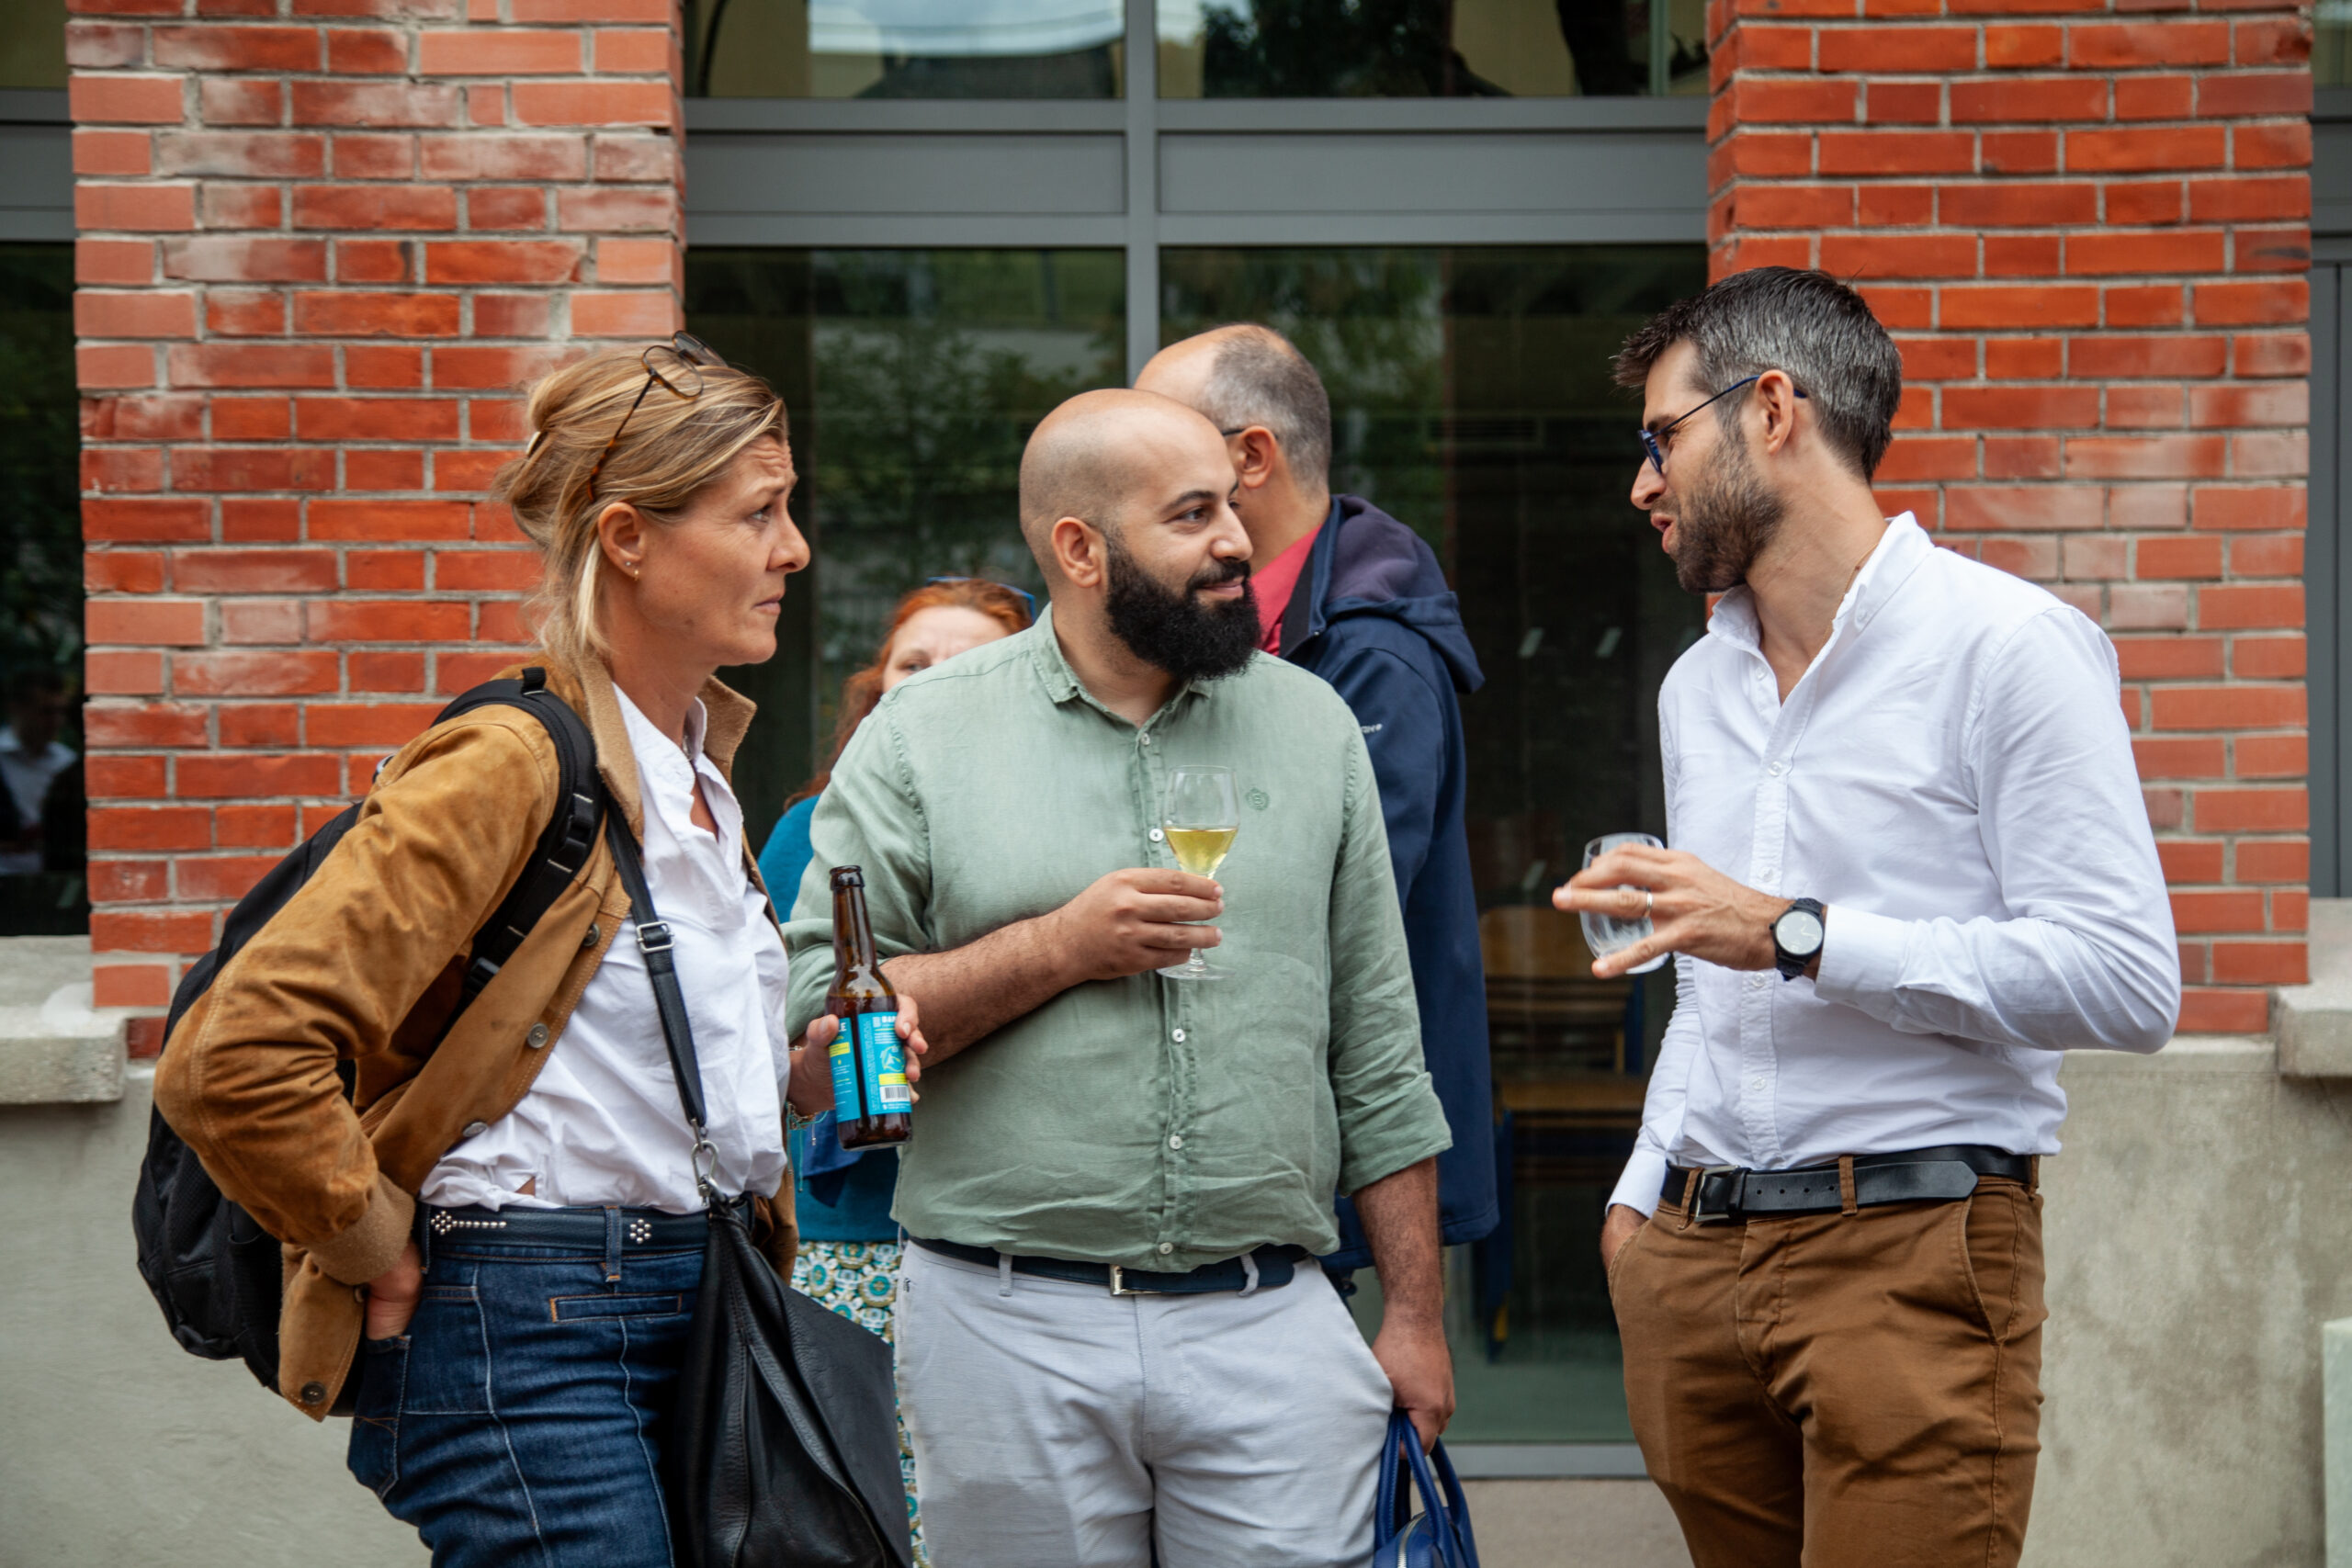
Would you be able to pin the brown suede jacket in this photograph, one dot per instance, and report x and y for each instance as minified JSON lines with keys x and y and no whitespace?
{"x":363,"y":965}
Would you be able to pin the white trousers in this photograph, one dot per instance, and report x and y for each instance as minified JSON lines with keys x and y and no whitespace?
{"x":1062,"y":1426}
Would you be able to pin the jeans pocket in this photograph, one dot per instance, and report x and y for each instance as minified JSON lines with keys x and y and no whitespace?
{"x":374,"y":1454}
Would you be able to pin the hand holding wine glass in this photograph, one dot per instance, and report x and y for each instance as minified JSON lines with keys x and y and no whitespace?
{"x":1202,"y":815}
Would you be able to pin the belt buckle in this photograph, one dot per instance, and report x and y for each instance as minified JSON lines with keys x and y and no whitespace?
{"x":1118,"y":1282}
{"x":1695,"y":1209}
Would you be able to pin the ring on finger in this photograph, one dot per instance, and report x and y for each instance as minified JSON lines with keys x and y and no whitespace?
{"x":1650,"y":908}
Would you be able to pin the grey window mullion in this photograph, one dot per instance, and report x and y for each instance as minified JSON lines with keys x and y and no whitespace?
{"x":2325,"y":574}
{"x":2323,"y":580}
{"x":1142,"y":184}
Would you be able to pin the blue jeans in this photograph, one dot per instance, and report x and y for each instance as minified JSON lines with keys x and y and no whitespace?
{"x":520,"y":1420}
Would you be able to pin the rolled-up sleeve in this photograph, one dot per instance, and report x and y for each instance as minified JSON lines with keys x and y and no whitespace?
{"x":869,"y":816}
{"x":2087,"y":957}
{"x":1388,"y":1112}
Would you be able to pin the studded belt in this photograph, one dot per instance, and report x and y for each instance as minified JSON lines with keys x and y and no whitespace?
{"x":581,"y":1230}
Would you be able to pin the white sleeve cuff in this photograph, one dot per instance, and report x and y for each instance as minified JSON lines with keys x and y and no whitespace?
{"x":1645,"y":1177}
{"x":1862,"y":956}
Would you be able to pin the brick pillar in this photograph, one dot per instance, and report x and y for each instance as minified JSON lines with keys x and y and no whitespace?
{"x":2087,"y":226}
{"x":321,"y":243}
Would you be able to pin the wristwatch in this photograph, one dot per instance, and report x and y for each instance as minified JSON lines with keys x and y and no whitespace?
{"x":1796,"y":937}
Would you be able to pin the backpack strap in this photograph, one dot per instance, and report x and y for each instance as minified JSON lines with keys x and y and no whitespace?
{"x":563,"y":845}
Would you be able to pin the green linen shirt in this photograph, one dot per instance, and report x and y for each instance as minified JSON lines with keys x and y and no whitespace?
{"x":1149,"y":1123}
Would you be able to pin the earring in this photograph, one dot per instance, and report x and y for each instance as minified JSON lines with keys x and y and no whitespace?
{"x":632,"y":567}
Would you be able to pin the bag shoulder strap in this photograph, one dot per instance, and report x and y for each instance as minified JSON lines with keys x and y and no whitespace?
{"x":669,"y":1001}
{"x":563,"y":844}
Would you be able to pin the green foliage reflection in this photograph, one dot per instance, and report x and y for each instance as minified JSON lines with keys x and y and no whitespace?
{"x":40,"y":551}
{"x":913,"y":380}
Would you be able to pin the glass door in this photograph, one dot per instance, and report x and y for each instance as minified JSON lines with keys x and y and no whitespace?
{"x":1471,"y":398}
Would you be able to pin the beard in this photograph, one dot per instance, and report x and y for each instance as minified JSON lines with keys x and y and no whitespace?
{"x":1723,"y":522}
{"x":1170,"y":629}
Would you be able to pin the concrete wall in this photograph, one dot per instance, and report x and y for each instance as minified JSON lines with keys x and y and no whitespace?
{"x":117,"y":1449}
{"x":2199,"y":1231}
{"x":2199,"y":1224}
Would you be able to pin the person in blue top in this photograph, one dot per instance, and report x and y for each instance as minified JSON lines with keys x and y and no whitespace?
{"x":849,"y":1244}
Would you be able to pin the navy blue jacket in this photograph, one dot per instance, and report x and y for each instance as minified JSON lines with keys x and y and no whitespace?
{"x":1372,"y":614}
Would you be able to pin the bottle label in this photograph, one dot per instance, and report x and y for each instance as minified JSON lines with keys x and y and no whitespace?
{"x":884,"y":1060}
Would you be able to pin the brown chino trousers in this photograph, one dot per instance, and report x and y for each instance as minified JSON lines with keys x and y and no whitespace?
{"x":1856,"y":1389}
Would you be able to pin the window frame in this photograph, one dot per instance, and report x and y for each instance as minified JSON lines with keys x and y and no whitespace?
{"x":1128,"y":173}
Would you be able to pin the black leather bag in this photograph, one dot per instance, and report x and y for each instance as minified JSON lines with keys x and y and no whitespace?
{"x":783,"y":1446}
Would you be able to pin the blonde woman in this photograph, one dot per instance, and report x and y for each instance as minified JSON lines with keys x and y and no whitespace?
{"x":494,"y":1247}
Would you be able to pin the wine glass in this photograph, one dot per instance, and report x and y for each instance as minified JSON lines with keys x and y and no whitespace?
{"x":1203,"y":813}
{"x":1606,"y":933}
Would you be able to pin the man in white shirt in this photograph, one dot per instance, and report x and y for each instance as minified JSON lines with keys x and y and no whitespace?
{"x":1911,"y":866}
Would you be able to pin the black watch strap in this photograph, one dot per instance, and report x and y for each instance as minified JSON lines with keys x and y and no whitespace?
{"x":1792,"y":965}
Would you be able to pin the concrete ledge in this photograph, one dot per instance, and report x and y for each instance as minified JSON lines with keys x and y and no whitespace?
{"x":2314,"y":1022}
{"x":2184,"y":1054}
{"x":55,"y":1049}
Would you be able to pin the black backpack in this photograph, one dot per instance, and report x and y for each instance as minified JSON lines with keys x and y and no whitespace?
{"x":216,"y":1273}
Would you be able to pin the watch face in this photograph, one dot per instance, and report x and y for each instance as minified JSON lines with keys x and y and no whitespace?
{"x":1797,"y":932}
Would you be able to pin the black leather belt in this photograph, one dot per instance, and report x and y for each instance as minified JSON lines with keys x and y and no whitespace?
{"x":1274,"y":1266}
{"x":583,"y":1230}
{"x":1909,"y":1176}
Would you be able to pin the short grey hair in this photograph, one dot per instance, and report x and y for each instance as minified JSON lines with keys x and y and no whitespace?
{"x":1260,"y":378}
{"x":1806,"y":324}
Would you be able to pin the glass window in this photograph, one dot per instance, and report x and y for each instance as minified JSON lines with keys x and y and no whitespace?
{"x":42,"y":824}
{"x":905,"y":48}
{"x":913,"y":379}
{"x":1471,"y":398}
{"x":2331,"y":44}
{"x":32,"y":43}
{"x":1430,"y":48}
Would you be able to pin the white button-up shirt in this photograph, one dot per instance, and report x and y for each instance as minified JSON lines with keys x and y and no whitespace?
{"x":602,"y":1123}
{"x":1953,"y":778}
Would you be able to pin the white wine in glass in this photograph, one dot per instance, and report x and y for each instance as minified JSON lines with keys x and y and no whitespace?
{"x":1203,"y":816}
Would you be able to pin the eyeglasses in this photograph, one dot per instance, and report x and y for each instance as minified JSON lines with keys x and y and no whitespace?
{"x":1027,"y":597}
{"x":679,"y":369}
{"x":1653,"y":441}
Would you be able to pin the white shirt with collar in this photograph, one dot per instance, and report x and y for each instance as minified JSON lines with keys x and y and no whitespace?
{"x":1953,"y":778}
{"x":602,"y":1123}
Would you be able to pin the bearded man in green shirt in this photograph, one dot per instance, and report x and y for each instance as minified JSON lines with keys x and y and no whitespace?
{"x":1112,"y":1335}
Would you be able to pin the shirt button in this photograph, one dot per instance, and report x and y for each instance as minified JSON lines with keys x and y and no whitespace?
{"x":476,"y":1129}
{"x":595,"y":934}
{"x":1777,"y":768}
{"x":537,"y":1037}
{"x":1756,"y":1083}
{"x":1165,"y":1248}
{"x":1157,"y":836}
{"x":1756,"y":982}
{"x":1176,"y":1140}
{"x":1177,"y":1036}
{"x":1146,"y":740}
{"x":314,"y":1392}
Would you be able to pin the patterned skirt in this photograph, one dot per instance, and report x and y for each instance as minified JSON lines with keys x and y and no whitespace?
{"x":859,"y":1279}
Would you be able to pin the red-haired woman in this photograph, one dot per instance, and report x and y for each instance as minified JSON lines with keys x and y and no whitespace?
{"x":849,"y":1246}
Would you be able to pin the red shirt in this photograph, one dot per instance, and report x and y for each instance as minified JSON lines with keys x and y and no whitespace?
{"x":1275,"y":581}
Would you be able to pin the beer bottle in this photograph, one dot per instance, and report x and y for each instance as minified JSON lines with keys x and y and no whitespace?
{"x":871,"y":1101}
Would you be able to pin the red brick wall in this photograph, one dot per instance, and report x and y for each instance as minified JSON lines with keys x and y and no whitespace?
{"x":322,"y":242}
{"x":2087,"y":224}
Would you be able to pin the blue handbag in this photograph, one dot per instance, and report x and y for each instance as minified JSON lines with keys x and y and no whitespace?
{"x":1441,"y":1536}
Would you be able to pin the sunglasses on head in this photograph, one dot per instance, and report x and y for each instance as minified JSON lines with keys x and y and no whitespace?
{"x":676,"y":367}
{"x":1026,"y":598}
